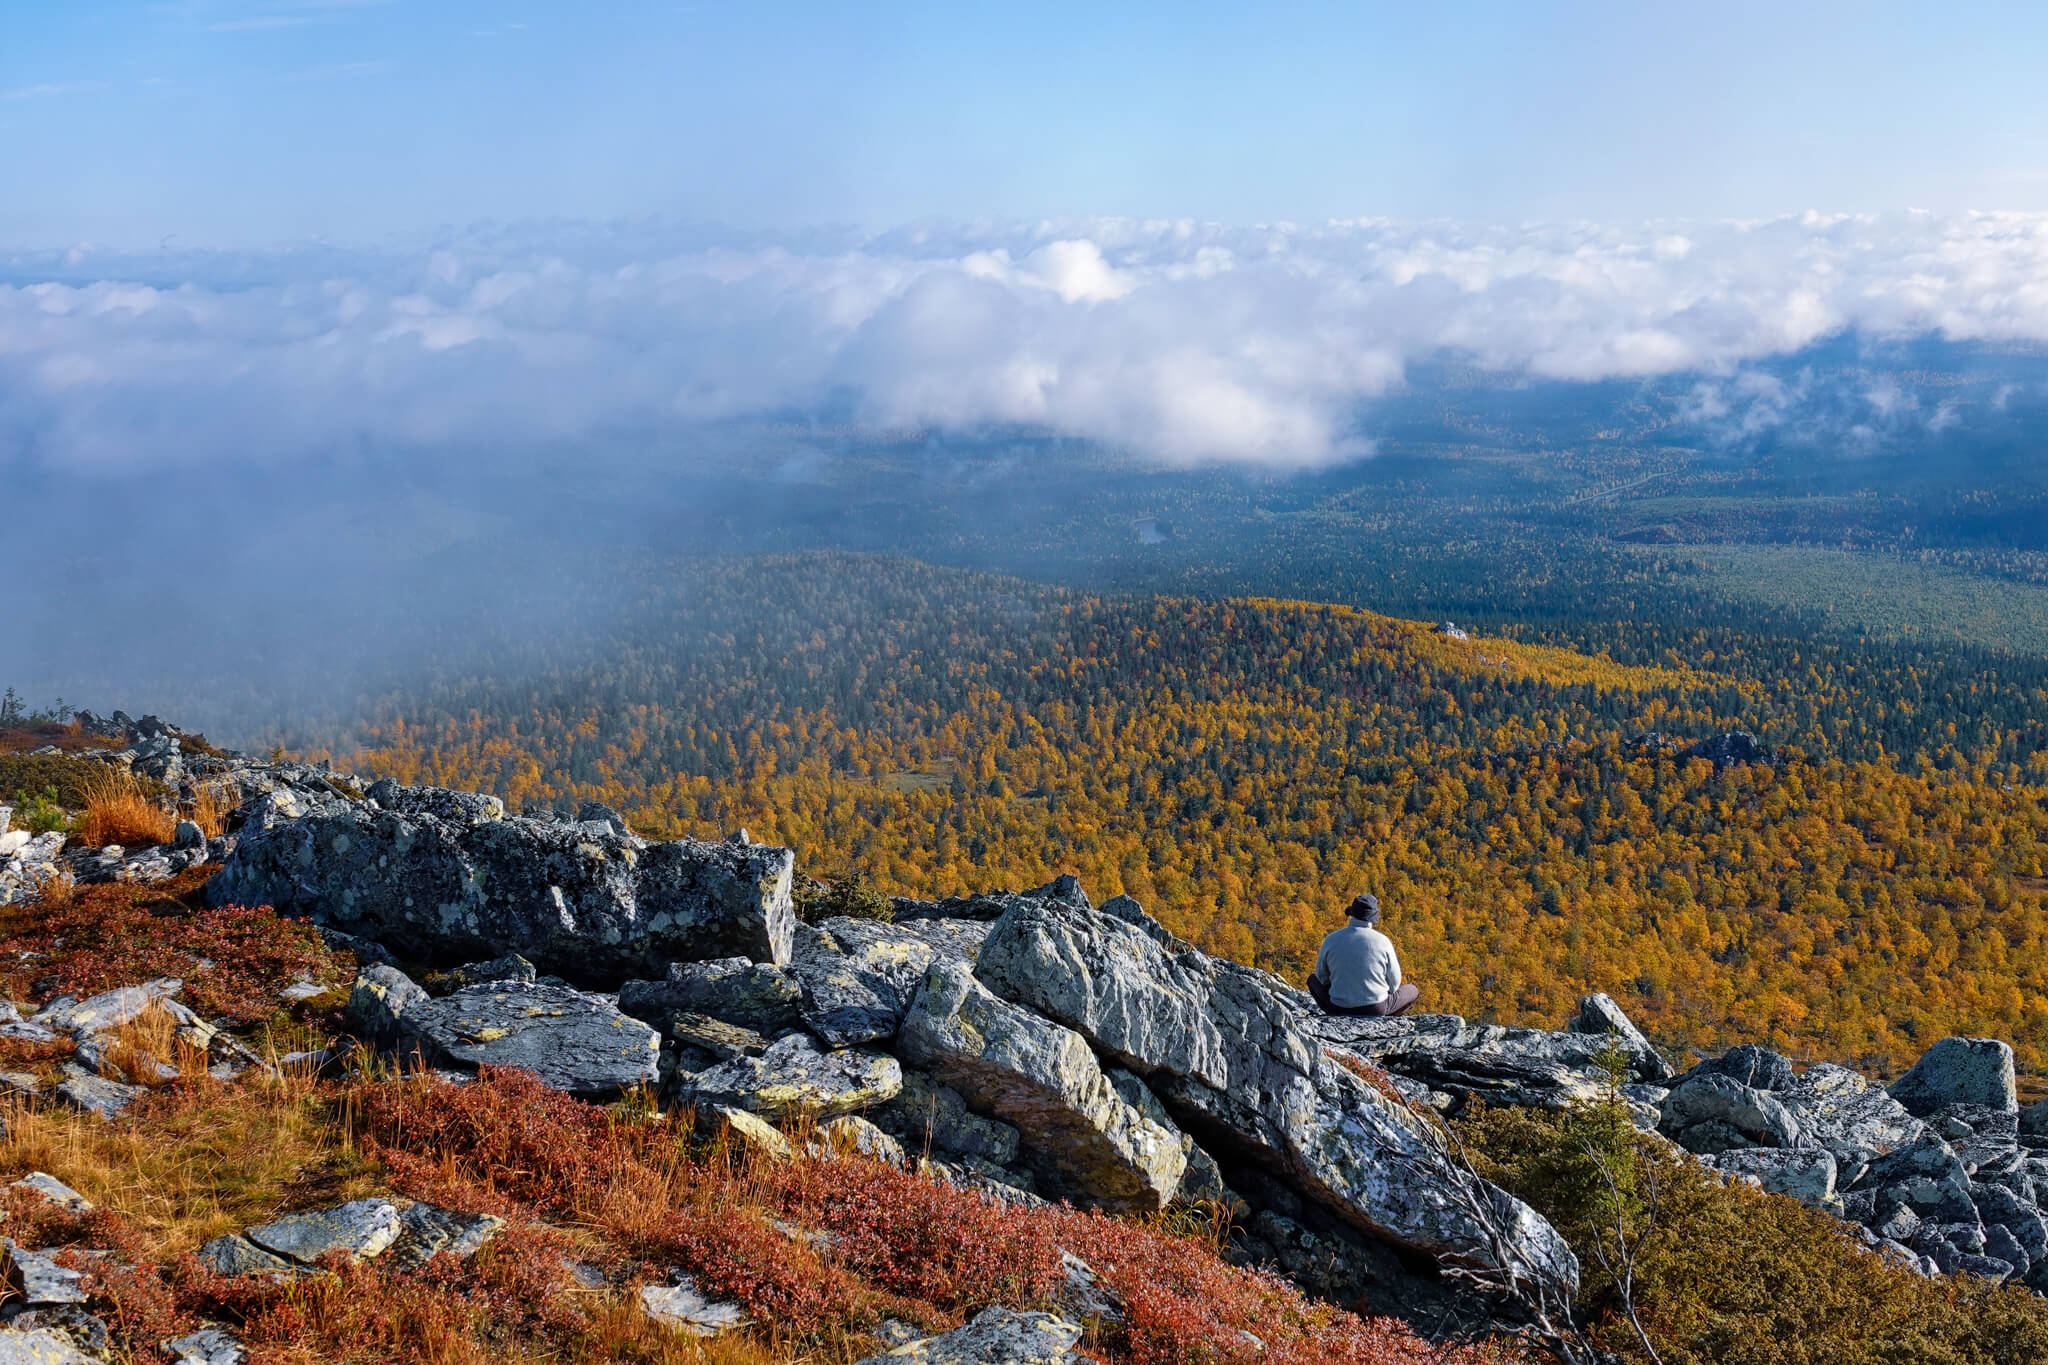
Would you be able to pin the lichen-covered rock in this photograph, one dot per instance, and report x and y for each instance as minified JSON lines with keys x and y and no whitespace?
{"x":571,"y":1040}
{"x":721,"y":1040}
{"x":793,"y":1078}
{"x":1043,"y":1079}
{"x":1847,"y":1114}
{"x":852,"y":1135}
{"x":42,"y":1346}
{"x":1714,"y":1113}
{"x":361,"y":1228}
{"x":749,"y":1131}
{"x":1976,"y":1071}
{"x":736,"y":990}
{"x":1599,"y":1016}
{"x":51,"y":1190}
{"x":932,"y":1117}
{"x":1808,"y":1176}
{"x":38,"y":1281}
{"x":1222,"y":1046}
{"x":207,"y":1346}
{"x":107,"y":1011}
{"x":91,"y":1094}
{"x":235,"y":1254}
{"x":998,"y":1336}
{"x":381,"y":994}
{"x":858,"y":977}
{"x":445,"y":875}
{"x":425,"y":1232}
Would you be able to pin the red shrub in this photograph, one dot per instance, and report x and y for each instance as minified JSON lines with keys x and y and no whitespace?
{"x":99,"y":937}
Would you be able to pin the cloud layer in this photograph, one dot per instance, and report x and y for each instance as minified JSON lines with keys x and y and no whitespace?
{"x":1183,"y":342}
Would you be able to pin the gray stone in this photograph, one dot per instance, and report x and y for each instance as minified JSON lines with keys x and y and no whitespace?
{"x":1223,"y":1047}
{"x":187,"y":834}
{"x":1042,"y":1078}
{"x":51,"y":1190}
{"x":1599,"y":1016}
{"x":1959,"y":1071}
{"x":425,"y":1232}
{"x":735,"y":990}
{"x":380,"y":996}
{"x":852,"y":1135}
{"x":2000,"y":1242}
{"x":208,"y":1346}
{"x":683,"y":1306}
{"x":858,"y":977}
{"x":572,"y":1041}
{"x":1808,"y":1176}
{"x":235,"y":1254}
{"x":443,"y":874}
{"x":42,"y":1346}
{"x":722,"y":1040}
{"x":1848,"y":1115}
{"x":359,"y":1229}
{"x":1928,"y":1178}
{"x":510,"y":967}
{"x":90,"y":1094}
{"x":1759,"y":1068}
{"x":1714,"y":1113}
{"x":107,"y":1011}
{"x":39,"y":1281}
{"x":932,"y":1117}
{"x":793,"y":1078}
{"x":997,"y":1336}
{"x":1130,"y":912}
{"x":2034,"y":1120}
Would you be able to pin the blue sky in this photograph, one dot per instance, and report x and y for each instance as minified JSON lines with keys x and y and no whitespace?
{"x":265,"y":121}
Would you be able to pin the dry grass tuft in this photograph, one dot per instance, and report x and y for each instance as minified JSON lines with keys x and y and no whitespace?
{"x":119,"y":811}
{"x":211,"y":806}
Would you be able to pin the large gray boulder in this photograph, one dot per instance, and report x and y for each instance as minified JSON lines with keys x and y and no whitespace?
{"x":1598,"y":1016}
{"x":858,"y":977}
{"x":1222,"y":1046}
{"x":1974,"y":1071}
{"x":444,"y":875}
{"x":1714,"y":1113}
{"x":1079,"y":1134}
{"x":1848,"y":1115}
{"x":572,"y":1041}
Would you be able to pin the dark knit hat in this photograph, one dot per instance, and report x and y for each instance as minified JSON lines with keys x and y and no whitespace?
{"x":1366,"y":907}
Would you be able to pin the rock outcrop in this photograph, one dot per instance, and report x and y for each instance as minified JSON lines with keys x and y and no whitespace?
{"x":1222,"y":1047}
{"x":451,"y":877}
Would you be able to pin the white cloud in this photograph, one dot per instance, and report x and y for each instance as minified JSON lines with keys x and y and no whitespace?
{"x":1187,"y":342}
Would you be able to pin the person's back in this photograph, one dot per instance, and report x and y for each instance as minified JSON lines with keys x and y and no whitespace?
{"x":1357,"y":970}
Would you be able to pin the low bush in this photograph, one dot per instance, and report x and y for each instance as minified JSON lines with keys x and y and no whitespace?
{"x":1728,"y":1275}
{"x":851,"y":897}
{"x":95,"y":938}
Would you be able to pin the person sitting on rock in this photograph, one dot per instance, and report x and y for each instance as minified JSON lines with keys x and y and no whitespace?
{"x":1357,"y":970}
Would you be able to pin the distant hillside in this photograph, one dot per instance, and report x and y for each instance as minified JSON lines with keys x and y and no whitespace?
{"x":1244,"y":767}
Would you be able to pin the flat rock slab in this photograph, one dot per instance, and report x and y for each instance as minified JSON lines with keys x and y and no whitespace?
{"x":107,"y":1011}
{"x":39,"y":1280}
{"x":793,"y":1078}
{"x":361,"y":1228}
{"x":685,"y":1307}
{"x":43,"y":1346}
{"x":92,"y":1094}
{"x":53,"y":1191}
{"x":572,"y":1041}
{"x":999,"y":1336}
{"x":235,"y":1254}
